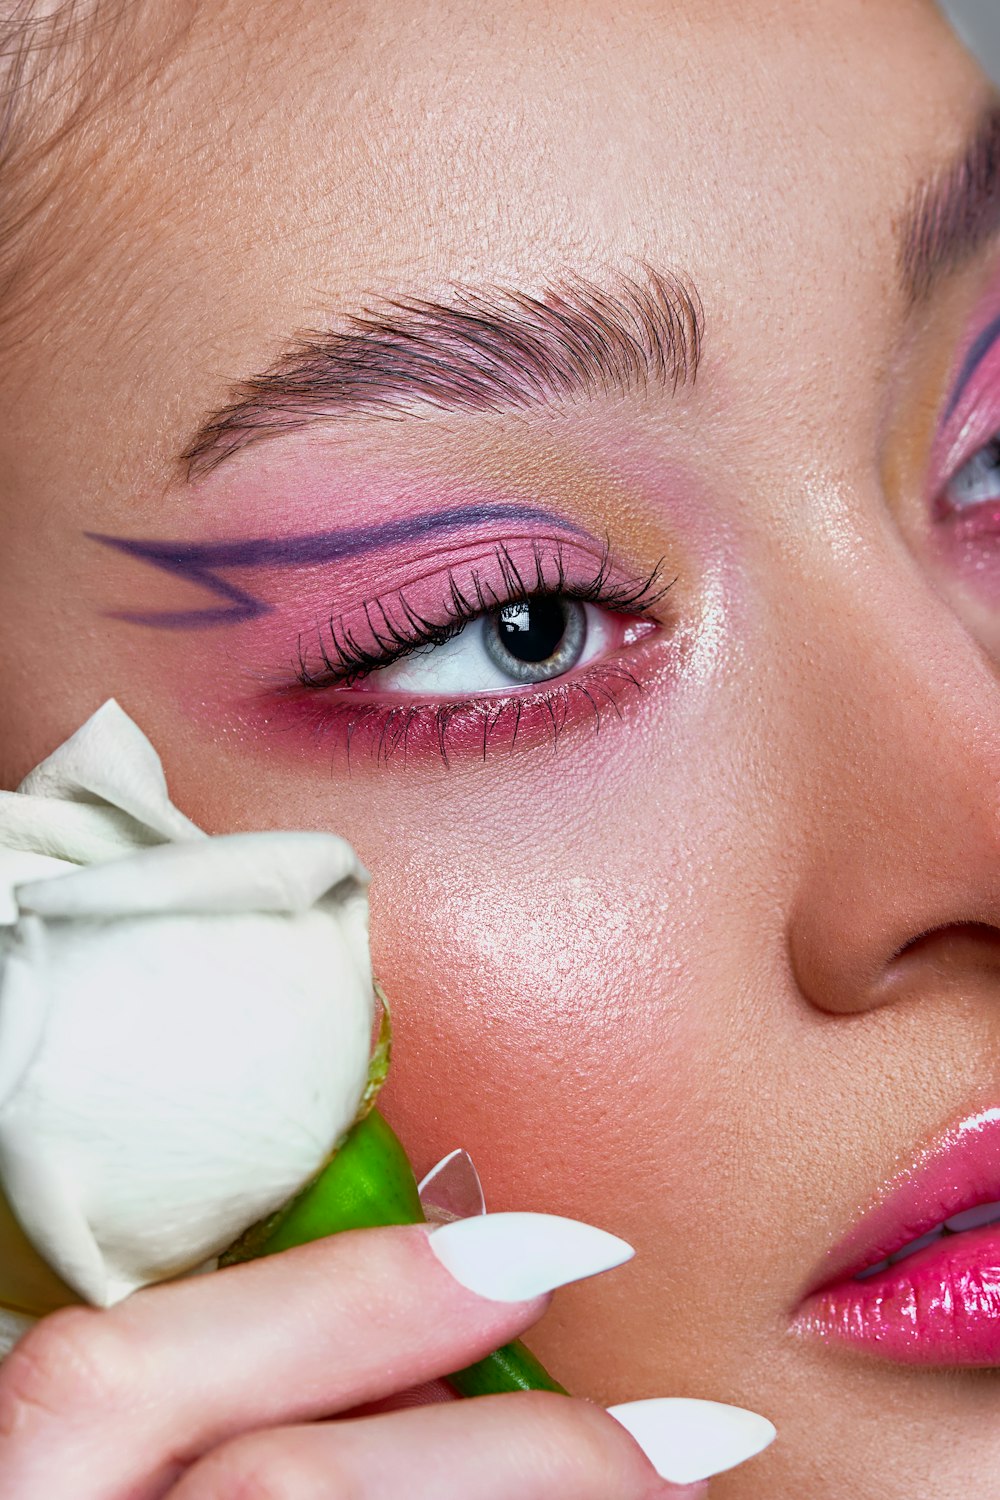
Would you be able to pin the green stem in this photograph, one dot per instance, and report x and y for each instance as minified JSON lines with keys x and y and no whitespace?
{"x":367,"y":1184}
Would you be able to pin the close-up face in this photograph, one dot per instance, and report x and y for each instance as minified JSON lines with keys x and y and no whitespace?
{"x":553,"y":447}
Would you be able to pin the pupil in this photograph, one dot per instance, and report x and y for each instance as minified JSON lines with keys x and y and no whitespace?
{"x":532,"y":630}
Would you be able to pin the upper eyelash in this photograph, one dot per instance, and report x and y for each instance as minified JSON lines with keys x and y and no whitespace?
{"x":348,"y":660}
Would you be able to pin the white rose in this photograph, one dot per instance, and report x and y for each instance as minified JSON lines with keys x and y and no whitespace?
{"x":185,"y":1023}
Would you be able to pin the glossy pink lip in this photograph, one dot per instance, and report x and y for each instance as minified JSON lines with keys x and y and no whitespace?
{"x":940,"y":1306}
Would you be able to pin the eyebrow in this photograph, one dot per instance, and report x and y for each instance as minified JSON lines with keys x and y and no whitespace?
{"x":952,"y":214}
{"x":478,"y":349}
{"x":198,"y":562}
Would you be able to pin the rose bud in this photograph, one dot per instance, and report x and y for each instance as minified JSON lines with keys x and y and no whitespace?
{"x":185,"y":1030}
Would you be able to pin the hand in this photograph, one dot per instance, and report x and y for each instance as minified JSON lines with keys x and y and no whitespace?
{"x":219,"y":1387}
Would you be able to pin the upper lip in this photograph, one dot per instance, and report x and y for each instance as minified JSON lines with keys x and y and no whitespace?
{"x":958,"y":1170}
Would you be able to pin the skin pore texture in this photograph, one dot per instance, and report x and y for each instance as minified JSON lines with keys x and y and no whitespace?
{"x":705,"y":970}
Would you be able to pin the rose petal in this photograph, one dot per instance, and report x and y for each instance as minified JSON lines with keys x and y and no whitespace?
{"x":234,"y":872}
{"x":228,"y":1053}
{"x":18,"y":865}
{"x":47,"y":1203}
{"x":82,"y":833}
{"x":110,"y":760}
{"x":24,"y":1005}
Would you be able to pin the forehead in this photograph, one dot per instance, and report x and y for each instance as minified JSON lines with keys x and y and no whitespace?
{"x":410,"y":132}
{"x":287,"y":162}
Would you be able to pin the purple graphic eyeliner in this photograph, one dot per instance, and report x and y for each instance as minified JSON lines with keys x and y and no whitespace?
{"x":980,"y":348}
{"x":199,"y":562}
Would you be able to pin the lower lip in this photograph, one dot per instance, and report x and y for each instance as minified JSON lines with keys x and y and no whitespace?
{"x":940,"y":1306}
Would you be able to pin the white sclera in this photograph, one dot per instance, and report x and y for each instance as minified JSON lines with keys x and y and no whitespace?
{"x":461,"y":666}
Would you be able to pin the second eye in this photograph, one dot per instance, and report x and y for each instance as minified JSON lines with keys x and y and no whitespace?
{"x":978,"y":479}
{"x":525,"y":642}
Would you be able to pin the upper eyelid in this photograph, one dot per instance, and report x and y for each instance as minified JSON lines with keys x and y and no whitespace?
{"x":626,"y":591}
{"x":485,"y":550}
{"x":355,"y":661}
{"x":981,"y":347}
{"x":970,"y":416}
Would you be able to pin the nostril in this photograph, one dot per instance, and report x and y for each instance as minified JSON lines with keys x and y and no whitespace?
{"x":974,"y":945}
{"x":881,"y":956}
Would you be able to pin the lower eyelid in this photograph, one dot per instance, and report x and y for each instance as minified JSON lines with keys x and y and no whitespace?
{"x":375,"y":731}
{"x":355,"y":730}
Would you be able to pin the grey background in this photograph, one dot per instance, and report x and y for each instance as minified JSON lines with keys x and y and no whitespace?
{"x":978,"y":22}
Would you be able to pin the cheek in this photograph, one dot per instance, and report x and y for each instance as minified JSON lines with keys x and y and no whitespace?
{"x":542,"y":1011}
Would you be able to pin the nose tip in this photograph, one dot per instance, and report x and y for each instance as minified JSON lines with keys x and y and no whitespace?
{"x":899,"y":880}
{"x":902,"y":888}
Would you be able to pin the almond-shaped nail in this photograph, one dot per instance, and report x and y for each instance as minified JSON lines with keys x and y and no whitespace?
{"x":514,"y":1257}
{"x":687,"y":1440}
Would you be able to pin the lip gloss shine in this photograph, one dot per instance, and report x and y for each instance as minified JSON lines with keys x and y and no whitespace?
{"x":941,"y":1304}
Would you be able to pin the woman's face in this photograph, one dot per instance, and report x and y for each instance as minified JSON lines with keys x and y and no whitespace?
{"x":635,"y":324}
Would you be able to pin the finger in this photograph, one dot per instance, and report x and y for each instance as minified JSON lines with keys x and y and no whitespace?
{"x":536,"y":1446}
{"x":98,"y":1402}
{"x":418,"y":1395}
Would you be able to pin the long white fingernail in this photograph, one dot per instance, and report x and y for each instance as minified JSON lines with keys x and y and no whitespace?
{"x":517,"y":1256}
{"x":687,"y":1440}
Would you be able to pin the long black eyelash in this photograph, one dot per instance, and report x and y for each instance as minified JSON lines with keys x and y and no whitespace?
{"x":345,"y":660}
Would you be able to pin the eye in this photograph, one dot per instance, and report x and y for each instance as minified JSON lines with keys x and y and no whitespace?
{"x":527,"y":641}
{"x":978,"y":480}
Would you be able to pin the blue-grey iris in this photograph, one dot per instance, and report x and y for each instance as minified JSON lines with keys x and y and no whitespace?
{"x":532,"y":640}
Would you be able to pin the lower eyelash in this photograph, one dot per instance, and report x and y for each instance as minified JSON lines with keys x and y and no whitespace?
{"x":391,"y":729}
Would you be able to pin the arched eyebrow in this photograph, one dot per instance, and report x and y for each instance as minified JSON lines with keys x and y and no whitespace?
{"x":477,"y":349}
{"x":954,"y":213}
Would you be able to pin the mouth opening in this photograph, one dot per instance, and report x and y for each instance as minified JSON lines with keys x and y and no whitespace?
{"x":971,"y":1218}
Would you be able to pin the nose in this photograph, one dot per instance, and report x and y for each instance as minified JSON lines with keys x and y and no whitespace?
{"x":901,"y":876}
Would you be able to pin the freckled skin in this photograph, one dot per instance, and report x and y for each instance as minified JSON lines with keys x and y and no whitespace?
{"x":638,"y":977}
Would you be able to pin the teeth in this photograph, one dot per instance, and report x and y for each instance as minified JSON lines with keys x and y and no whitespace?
{"x":915,"y":1245}
{"x":883,"y":1265}
{"x":974,"y":1218}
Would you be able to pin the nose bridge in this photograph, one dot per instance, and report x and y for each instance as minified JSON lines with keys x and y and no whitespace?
{"x":902,"y":783}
